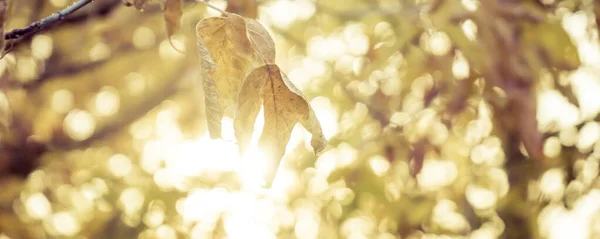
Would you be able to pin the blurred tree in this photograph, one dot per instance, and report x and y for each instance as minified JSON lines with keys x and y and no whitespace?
{"x":445,"y":119}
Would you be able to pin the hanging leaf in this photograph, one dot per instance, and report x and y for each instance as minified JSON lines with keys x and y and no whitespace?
{"x":173,"y":9}
{"x":246,"y":8}
{"x":211,"y":99}
{"x":262,"y":42}
{"x":228,"y":44}
{"x":284,"y":106}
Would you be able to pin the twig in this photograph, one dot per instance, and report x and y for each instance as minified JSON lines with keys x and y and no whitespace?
{"x":49,"y":20}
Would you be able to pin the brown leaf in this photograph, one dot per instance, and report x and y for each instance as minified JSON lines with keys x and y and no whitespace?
{"x":173,"y":9}
{"x":246,"y":8}
{"x":284,"y":106}
{"x":228,"y":44}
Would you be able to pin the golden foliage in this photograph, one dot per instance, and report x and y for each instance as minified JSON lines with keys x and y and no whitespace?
{"x":454,"y":119}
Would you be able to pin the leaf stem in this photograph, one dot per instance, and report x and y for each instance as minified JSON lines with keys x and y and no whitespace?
{"x":212,"y":6}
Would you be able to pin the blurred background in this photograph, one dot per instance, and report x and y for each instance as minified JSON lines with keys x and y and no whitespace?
{"x":446,"y":119}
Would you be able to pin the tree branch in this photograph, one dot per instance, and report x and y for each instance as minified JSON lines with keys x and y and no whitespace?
{"x":49,"y":20}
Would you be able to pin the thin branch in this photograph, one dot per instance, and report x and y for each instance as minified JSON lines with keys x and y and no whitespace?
{"x":49,"y":20}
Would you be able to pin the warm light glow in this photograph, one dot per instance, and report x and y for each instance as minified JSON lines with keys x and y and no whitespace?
{"x":107,"y":101}
{"x":79,"y":124}
{"x":436,"y":174}
{"x":279,"y":14}
{"x":37,"y":206}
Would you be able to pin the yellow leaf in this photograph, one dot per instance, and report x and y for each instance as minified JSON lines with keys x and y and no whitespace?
{"x":211,"y":99}
{"x":284,"y":106}
{"x":261,"y":41}
{"x":246,"y":8}
{"x":228,"y":44}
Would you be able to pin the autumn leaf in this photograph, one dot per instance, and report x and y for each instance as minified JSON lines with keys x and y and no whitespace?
{"x":246,"y":8}
{"x":262,"y":42}
{"x":284,"y":106}
{"x":228,"y":44}
{"x":173,"y":9}
{"x":211,"y":99}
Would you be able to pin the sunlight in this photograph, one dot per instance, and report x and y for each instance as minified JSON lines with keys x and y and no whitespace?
{"x":167,"y":52}
{"x":586,"y":88}
{"x":253,"y":168}
{"x":105,"y":125}
{"x":437,"y":173}
{"x":79,"y":124}
{"x":280,"y":15}
{"x":439,"y":43}
{"x":326,"y":48}
{"x":65,"y":224}
{"x":107,"y":101}
{"x":37,"y":206}
{"x":460,"y":67}
{"x":99,"y":51}
{"x":470,"y":5}
{"x":42,"y":46}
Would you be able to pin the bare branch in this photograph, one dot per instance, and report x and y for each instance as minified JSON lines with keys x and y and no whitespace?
{"x":49,"y":20}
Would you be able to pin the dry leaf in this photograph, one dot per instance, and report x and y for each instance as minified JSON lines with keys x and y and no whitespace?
{"x":228,"y":44}
{"x":246,"y":8}
{"x":173,"y":9}
{"x":211,"y":99}
{"x":262,"y":42}
{"x":284,"y":106}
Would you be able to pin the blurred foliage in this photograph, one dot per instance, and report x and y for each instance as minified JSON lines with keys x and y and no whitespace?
{"x":445,"y":119}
